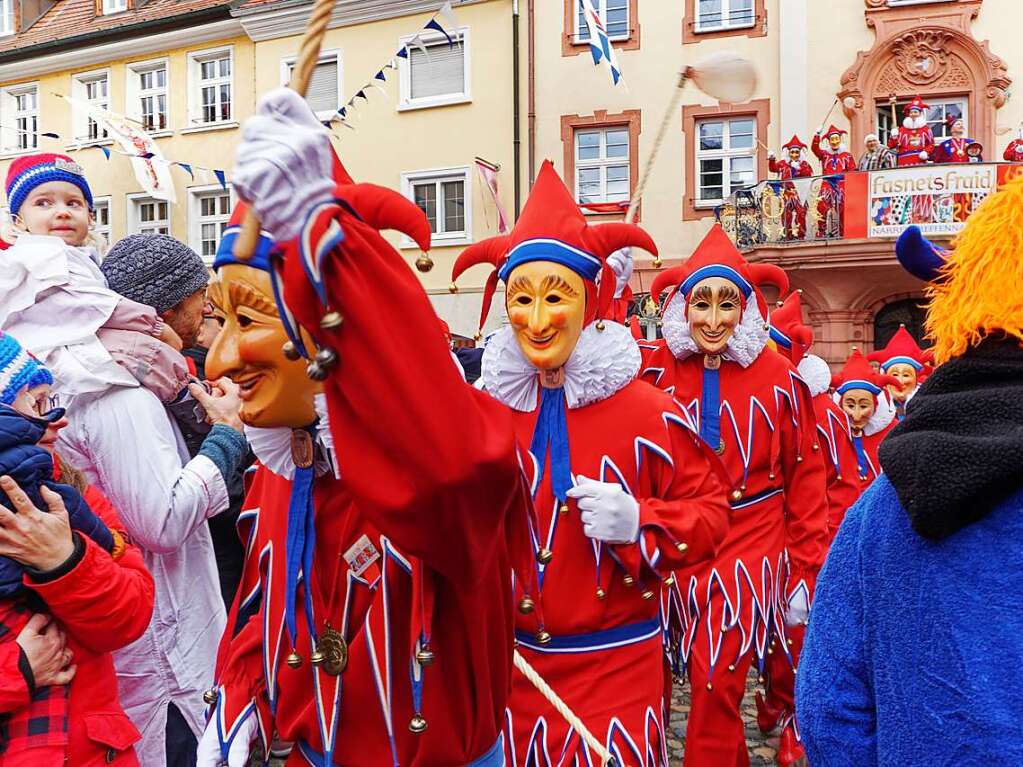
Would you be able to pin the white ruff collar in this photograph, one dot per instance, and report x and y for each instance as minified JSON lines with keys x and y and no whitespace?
{"x":273,"y":446}
{"x":603,"y":363}
{"x":748,"y":339}
{"x":816,"y":373}
{"x":911,"y":124}
{"x":884,"y":414}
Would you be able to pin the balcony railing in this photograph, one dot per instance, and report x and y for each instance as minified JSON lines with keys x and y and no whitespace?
{"x":870,"y":204}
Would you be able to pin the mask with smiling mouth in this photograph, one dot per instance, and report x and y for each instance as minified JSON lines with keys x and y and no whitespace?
{"x":857,"y":390}
{"x":905,"y":361}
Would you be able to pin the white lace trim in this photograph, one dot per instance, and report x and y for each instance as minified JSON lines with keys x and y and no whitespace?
{"x":273,"y":446}
{"x":603,"y":363}
{"x":816,"y":373}
{"x":883,"y":415}
{"x":748,"y":339}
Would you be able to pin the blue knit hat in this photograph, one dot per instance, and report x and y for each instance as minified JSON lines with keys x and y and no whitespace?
{"x":26,"y":173}
{"x":18,"y":369}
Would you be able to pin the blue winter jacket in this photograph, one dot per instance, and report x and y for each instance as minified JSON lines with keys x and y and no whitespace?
{"x":914,"y":652}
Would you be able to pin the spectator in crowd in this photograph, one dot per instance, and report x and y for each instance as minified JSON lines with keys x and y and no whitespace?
{"x":877,"y":156}
{"x":913,"y":653}
{"x":72,"y":590}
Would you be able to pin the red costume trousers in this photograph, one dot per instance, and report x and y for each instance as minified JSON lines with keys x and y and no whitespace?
{"x":716,"y":734}
{"x":778,"y":671}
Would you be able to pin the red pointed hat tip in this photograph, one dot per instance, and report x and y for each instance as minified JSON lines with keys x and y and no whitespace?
{"x":902,"y":348}
{"x":833,"y":130}
{"x":794,"y":143}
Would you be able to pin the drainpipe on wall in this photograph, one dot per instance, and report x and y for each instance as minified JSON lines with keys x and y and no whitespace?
{"x":516,"y":112}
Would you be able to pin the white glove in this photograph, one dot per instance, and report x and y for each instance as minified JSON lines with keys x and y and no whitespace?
{"x":609,"y":514}
{"x":621,"y":264}
{"x":208,"y":754}
{"x":923,"y":155}
{"x":284,"y":164}
{"x":797,"y":612}
{"x":770,"y":155}
{"x":894,"y":133}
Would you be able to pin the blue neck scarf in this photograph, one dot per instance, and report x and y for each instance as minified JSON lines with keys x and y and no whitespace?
{"x":710,"y":409}
{"x":552,"y":431}
{"x":299,"y":547}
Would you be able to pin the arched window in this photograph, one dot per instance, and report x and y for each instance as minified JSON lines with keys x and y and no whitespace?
{"x":906,"y":312}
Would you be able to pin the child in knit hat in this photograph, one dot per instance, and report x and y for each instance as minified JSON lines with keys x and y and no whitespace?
{"x":55,"y":295}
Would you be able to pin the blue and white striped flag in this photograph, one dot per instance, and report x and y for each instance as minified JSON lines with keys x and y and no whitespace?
{"x":600,"y":44}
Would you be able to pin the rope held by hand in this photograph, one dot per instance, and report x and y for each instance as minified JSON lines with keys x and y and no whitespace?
{"x":308,"y":58}
{"x":562,"y":708}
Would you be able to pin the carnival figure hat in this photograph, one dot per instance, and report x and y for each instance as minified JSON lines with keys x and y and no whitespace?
{"x":902,"y":349}
{"x":717,"y":256}
{"x":794,"y":143}
{"x":834,"y":131}
{"x":917,"y":103}
{"x":792,"y":337}
{"x":858,"y":374}
{"x":552,"y":228}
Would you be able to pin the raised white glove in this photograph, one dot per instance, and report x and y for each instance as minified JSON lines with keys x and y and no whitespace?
{"x":609,"y":514}
{"x":208,"y":754}
{"x":284,"y":164}
{"x":923,"y":155}
{"x":621,"y":264}
{"x":894,"y":133}
{"x":796,"y":613}
{"x":770,"y":155}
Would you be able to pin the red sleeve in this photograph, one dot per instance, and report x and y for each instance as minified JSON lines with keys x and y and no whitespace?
{"x":815,"y":147}
{"x":893,"y":141}
{"x":14,"y":692}
{"x":774,"y":165}
{"x":431,"y":460}
{"x":928,"y":141}
{"x":241,"y":685}
{"x":1010,"y":152}
{"x":105,"y":604}
{"x":686,"y":518}
{"x":806,"y":506}
{"x":805,"y":169}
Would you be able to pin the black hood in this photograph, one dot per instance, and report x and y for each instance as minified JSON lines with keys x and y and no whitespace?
{"x":959,"y":451}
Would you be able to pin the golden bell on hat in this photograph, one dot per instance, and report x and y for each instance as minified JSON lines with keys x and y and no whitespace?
{"x":424,"y":263}
{"x":417,"y":724}
{"x":294,"y":659}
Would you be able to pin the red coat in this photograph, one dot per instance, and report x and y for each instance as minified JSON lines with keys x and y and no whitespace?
{"x":952,"y":150}
{"x":832,"y":162}
{"x":1014,"y":152}
{"x":910,"y":142}
{"x":773,"y":457}
{"x":786,"y":169}
{"x":433,"y":479}
{"x":103,"y":605}
{"x":839,"y":460}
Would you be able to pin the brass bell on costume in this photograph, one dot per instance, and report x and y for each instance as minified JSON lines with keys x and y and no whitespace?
{"x":731,"y":667}
{"x":670,"y":580}
{"x":601,"y":594}
{"x":210,"y":697}
{"x":543,"y":637}
{"x":544,"y":556}
{"x":628,"y":580}
{"x":563,"y":509}
{"x":316,"y":371}
{"x":648,"y":594}
{"x":452,"y":288}
{"x":424,"y":263}
{"x":526,"y":605}
{"x":682,"y":547}
{"x":331,"y":320}
{"x":294,"y":659}
{"x":425,"y":657}
{"x":316,"y":657}
{"x":326,"y":357}
{"x":737,"y":495}
{"x":417,"y":724}
{"x":290,"y":351}
{"x":600,"y":326}
{"x":658,"y":263}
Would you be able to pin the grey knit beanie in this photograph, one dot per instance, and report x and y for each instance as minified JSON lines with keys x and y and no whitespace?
{"x":155,"y":270}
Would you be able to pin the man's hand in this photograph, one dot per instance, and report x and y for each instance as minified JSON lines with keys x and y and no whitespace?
{"x":222,"y":404}
{"x":284,"y":166}
{"x":609,"y":514}
{"x":32,"y":537}
{"x":209,"y":754}
{"x":45,"y":646}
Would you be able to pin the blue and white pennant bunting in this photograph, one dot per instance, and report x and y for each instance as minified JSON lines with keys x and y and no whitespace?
{"x":600,"y":43}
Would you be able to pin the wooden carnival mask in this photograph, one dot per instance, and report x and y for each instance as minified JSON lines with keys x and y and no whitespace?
{"x":859,"y":405}
{"x":546,"y":305}
{"x":715,"y":308}
{"x":275,"y":390}
{"x":906,"y":375}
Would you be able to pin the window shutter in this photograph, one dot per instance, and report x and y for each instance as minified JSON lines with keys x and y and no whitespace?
{"x":440,"y":73}
{"x":322,"y":92}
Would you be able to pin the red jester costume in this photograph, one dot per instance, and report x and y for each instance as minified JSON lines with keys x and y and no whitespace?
{"x":624,"y":491}
{"x":860,"y":392}
{"x":793,"y":215}
{"x":836,"y":161}
{"x":914,"y":141}
{"x":905,"y":361}
{"x":374,"y":622}
{"x":754,"y":409}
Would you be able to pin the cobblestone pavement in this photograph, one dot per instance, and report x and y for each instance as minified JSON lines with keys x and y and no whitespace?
{"x":762,"y":748}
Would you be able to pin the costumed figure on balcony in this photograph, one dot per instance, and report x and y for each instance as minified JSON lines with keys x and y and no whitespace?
{"x":374,"y":622}
{"x":752,"y":407}
{"x":914,"y":141}
{"x":861,"y":392}
{"x":907,"y":363}
{"x":625,"y":493}
{"x":956,"y":148}
{"x":1014,"y":151}
{"x":836,"y":161}
{"x":793,"y":215}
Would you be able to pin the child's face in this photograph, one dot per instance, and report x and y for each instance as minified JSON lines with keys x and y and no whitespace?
{"x":58,"y":209}
{"x":35,"y":403}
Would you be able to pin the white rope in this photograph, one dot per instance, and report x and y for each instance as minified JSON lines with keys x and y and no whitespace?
{"x":562,"y":708}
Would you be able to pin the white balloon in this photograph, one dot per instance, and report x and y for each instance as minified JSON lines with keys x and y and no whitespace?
{"x":726,"y":77}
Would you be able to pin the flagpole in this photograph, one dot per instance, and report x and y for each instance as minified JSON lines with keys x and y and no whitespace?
{"x":308,"y":57}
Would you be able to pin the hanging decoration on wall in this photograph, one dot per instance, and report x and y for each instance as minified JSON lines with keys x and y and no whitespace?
{"x":600,"y":43}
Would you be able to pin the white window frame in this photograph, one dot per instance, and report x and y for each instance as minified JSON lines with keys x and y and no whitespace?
{"x":726,"y":23}
{"x":325,"y":57}
{"x":79,"y":119}
{"x":195,"y":220}
{"x":725,"y":153}
{"x":104,"y":231}
{"x":9,"y":115}
{"x":580,"y":32}
{"x":110,"y":7}
{"x":7,"y":18}
{"x":603,"y":162}
{"x":406,"y":102}
{"x":134,"y":94}
{"x":195,"y":109}
{"x":460,"y":173}
{"x":135,"y":220}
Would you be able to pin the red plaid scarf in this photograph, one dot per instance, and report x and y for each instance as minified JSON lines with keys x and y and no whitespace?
{"x":44,"y":721}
